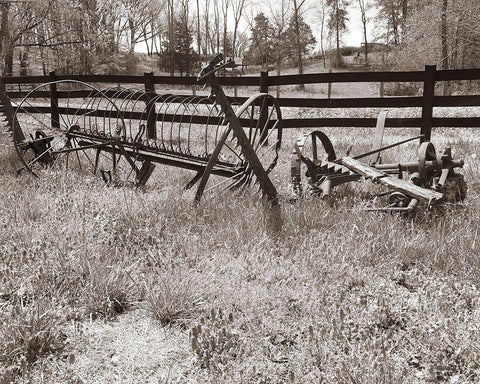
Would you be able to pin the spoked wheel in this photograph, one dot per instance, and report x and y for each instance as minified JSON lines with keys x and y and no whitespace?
{"x":228,"y":167}
{"x":74,"y":134}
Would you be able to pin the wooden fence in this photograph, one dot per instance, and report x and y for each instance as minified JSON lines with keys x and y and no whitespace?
{"x":429,"y":78}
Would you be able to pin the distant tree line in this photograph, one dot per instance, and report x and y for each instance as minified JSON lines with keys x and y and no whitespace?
{"x":100,"y":36}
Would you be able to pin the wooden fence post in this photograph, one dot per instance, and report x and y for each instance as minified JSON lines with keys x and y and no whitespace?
{"x":329,"y":90}
{"x":54,"y":113}
{"x":427,"y":104}
{"x":151,"y":115}
{"x":9,"y":112}
{"x":264,"y":82}
{"x":264,"y":111}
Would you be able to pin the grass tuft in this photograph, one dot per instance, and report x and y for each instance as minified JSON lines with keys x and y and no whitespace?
{"x":28,"y":331}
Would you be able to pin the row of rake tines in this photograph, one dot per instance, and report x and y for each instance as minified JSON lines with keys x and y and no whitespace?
{"x":190,"y":125}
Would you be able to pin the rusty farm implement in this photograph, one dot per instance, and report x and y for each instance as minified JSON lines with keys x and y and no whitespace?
{"x":121,"y":134}
{"x":315,"y":168}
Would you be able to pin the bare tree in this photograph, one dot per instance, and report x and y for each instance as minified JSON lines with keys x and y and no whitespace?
{"x":363,"y":5}
{"x":338,"y":23}
{"x":322,"y":18}
{"x":238,"y":7}
{"x":297,"y":15}
{"x":225,"y":5}
{"x":279,"y":14}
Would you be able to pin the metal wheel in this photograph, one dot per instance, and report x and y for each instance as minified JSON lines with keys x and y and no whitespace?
{"x":309,"y":152}
{"x":228,"y":168}
{"x":426,"y":152}
{"x":77,"y":134}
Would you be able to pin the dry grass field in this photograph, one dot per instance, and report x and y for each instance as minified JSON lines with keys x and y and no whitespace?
{"x":115,"y":285}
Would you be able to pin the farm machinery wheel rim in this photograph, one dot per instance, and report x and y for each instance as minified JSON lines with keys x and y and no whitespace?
{"x":75,"y":140}
{"x":426,"y":152}
{"x":307,"y":154}
{"x":261,"y":119}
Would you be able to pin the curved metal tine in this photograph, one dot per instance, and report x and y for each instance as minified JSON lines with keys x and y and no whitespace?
{"x":93,"y":117}
{"x":251,"y":115}
{"x":152,"y":110}
{"x":168,"y":104}
{"x":159,"y":115}
{"x":227,"y":179}
{"x":61,"y":115}
{"x":242,"y":182}
{"x":186,"y":104}
{"x":179,"y":99}
{"x":155,"y":100}
{"x":163,"y":111}
{"x":200,"y":101}
{"x":120,"y":99}
{"x":268,"y":150}
{"x":124,"y":99}
{"x":90,"y":105}
{"x":110,"y":109}
{"x":117,"y":117}
{"x":179,"y":125}
{"x":126,"y":107}
{"x":111,"y":94}
{"x":141,"y":96}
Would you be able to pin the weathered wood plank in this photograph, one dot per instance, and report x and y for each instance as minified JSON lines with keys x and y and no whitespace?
{"x":391,"y":182}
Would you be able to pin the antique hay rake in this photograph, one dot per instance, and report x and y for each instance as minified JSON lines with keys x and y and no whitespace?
{"x":121,"y":134}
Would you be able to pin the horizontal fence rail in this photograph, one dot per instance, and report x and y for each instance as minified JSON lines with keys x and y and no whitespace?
{"x":429,"y":77}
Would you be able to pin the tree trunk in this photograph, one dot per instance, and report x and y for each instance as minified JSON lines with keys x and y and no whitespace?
{"x":337,"y":31}
{"x":322,"y":48}
{"x":8,"y":60}
{"x":444,"y":37}
{"x":4,"y":35}
{"x":199,"y":36}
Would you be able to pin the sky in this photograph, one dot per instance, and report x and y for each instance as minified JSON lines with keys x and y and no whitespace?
{"x":353,"y":36}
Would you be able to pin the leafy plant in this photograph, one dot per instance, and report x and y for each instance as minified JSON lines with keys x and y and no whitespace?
{"x":214,"y":341}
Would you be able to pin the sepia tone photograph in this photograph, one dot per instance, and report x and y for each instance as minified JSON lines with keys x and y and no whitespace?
{"x":239,"y":191}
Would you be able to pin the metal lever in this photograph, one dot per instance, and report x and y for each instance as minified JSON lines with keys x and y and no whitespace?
{"x":214,"y":66}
